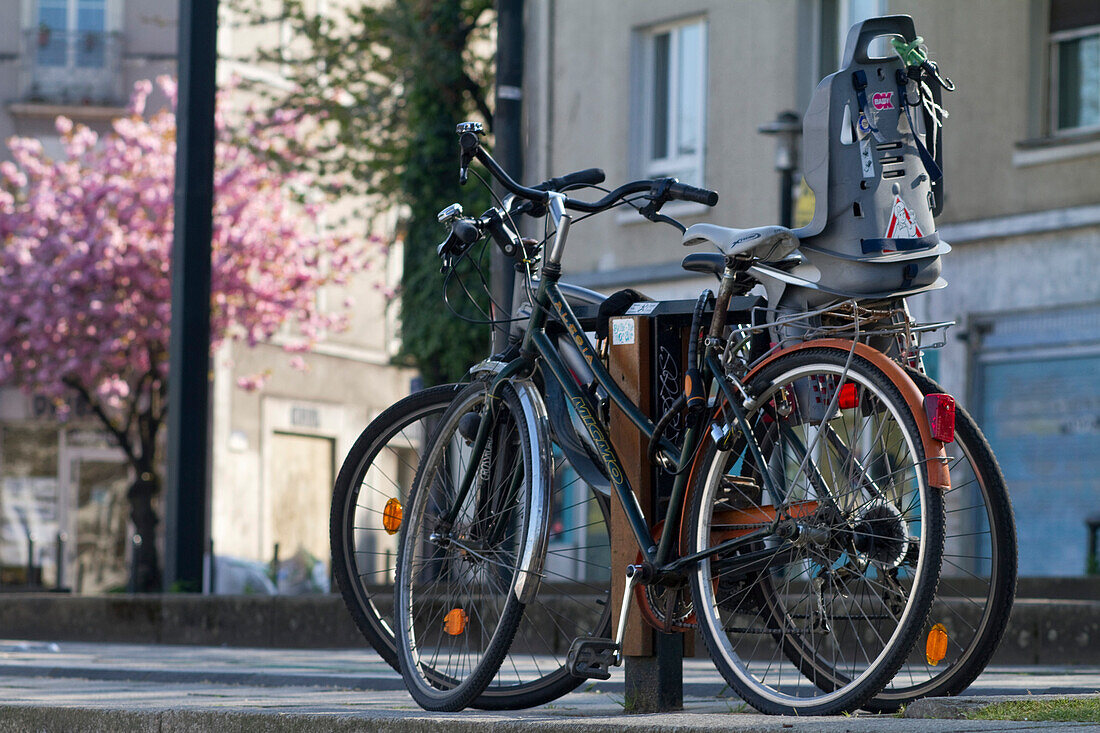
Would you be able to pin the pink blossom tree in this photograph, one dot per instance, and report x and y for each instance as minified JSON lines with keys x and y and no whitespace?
{"x":85,"y":243}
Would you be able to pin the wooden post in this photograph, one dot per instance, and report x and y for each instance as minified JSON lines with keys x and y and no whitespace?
{"x":653,"y":661}
{"x":629,"y":364}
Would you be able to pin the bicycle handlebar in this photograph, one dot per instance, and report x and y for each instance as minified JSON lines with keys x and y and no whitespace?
{"x":673,"y":189}
{"x":587,"y":177}
{"x":466,"y":231}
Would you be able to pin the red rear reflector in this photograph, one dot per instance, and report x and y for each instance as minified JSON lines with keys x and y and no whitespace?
{"x":940,"y":409}
{"x":849,"y":397}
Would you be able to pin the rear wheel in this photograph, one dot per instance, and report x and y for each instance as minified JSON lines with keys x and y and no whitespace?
{"x":978,"y":579}
{"x":368,"y":503}
{"x":816,"y":593}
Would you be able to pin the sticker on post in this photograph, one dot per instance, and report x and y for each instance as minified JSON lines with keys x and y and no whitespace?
{"x":902,"y":223}
{"x":643,"y":308}
{"x":622,"y":331}
{"x":866,"y":159}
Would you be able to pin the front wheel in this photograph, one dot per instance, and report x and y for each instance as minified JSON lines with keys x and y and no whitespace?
{"x":459,"y":557}
{"x":817,"y":585}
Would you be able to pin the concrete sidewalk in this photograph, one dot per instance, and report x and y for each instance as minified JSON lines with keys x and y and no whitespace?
{"x":123,"y":687}
{"x":1041,"y":630}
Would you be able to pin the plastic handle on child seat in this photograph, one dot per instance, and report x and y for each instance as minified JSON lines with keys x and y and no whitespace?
{"x":872,"y":28}
{"x":587,"y":177}
{"x":685,"y":192}
{"x":910,"y":52}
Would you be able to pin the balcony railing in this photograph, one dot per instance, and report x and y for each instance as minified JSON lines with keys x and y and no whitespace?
{"x":73,"y":67}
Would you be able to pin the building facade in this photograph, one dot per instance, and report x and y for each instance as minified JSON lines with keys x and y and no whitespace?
{"x":276,"y":450}
{"x":647,"y":88}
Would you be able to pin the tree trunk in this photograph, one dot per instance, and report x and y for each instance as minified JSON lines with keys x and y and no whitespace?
{"x":145,"y":571}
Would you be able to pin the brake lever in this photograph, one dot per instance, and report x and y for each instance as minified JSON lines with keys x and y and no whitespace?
{"x":468,"y":144}
{"x":658,"y":197}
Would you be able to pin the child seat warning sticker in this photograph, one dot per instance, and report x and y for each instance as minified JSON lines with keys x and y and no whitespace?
{"x":622,"y":331}
{"x":902,"y":224}
{"x":865,"y":157}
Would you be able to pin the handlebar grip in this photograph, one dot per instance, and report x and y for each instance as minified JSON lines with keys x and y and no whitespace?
{"x":587,"y":177}
{"x":685,"y":192}
{"x":464,"y":232}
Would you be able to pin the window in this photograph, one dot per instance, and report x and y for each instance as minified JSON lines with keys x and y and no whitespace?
{"x":673,"y":88}
{"x":836,"y":19}
{"x":1074,"y":66}
{"x":71,"y":33}
{"x":74,"y":56}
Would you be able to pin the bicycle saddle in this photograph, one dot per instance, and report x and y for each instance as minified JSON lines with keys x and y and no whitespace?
{"x":768,"y":244}
{"x":714,"y":263}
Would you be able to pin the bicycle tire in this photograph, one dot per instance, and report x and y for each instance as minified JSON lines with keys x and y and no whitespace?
{"x":572,"y":599}
{"x":858,"y":574}
{"x":457,"y":607}
{"x":980,"y":529}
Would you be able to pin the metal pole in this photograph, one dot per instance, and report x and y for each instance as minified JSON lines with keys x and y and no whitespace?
{"x":786,"y":198}
{"x":189,"y":346}
{"x":30,"y":560}
{"x":507,"y":130}
{"x":60,"y":561}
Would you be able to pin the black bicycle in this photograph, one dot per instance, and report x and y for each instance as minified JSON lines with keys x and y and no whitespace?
{"x":805,"y":484}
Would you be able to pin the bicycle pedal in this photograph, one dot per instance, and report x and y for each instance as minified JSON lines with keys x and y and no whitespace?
{"x":591,"y":657}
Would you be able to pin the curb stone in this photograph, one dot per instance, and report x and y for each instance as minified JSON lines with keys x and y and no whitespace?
{"x":959,"y":708}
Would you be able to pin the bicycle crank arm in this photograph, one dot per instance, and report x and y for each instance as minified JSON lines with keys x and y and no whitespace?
{"x":592,"y":657}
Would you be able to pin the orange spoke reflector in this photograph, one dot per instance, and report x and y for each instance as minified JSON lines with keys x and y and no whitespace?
{"x":391,"y":516}
{"x":454,"y":623}
{"x":935,"y":649}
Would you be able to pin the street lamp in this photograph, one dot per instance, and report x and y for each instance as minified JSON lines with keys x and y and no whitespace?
{"x":787,"y":129}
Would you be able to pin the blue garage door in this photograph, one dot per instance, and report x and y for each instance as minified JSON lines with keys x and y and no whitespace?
{"x":1038,"y":378}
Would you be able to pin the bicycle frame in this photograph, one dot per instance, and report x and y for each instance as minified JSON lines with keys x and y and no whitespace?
{"x":538,"y":348}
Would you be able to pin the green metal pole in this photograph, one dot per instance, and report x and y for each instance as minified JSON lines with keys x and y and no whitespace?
{"x":189,"y":346}
{"x":508,"y":134}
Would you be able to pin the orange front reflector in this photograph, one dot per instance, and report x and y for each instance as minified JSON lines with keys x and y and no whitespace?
{"x":391,"y":516}
{"x":935,"y":649}
{"x":849,"y":397}
{"x":454,"y":623}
